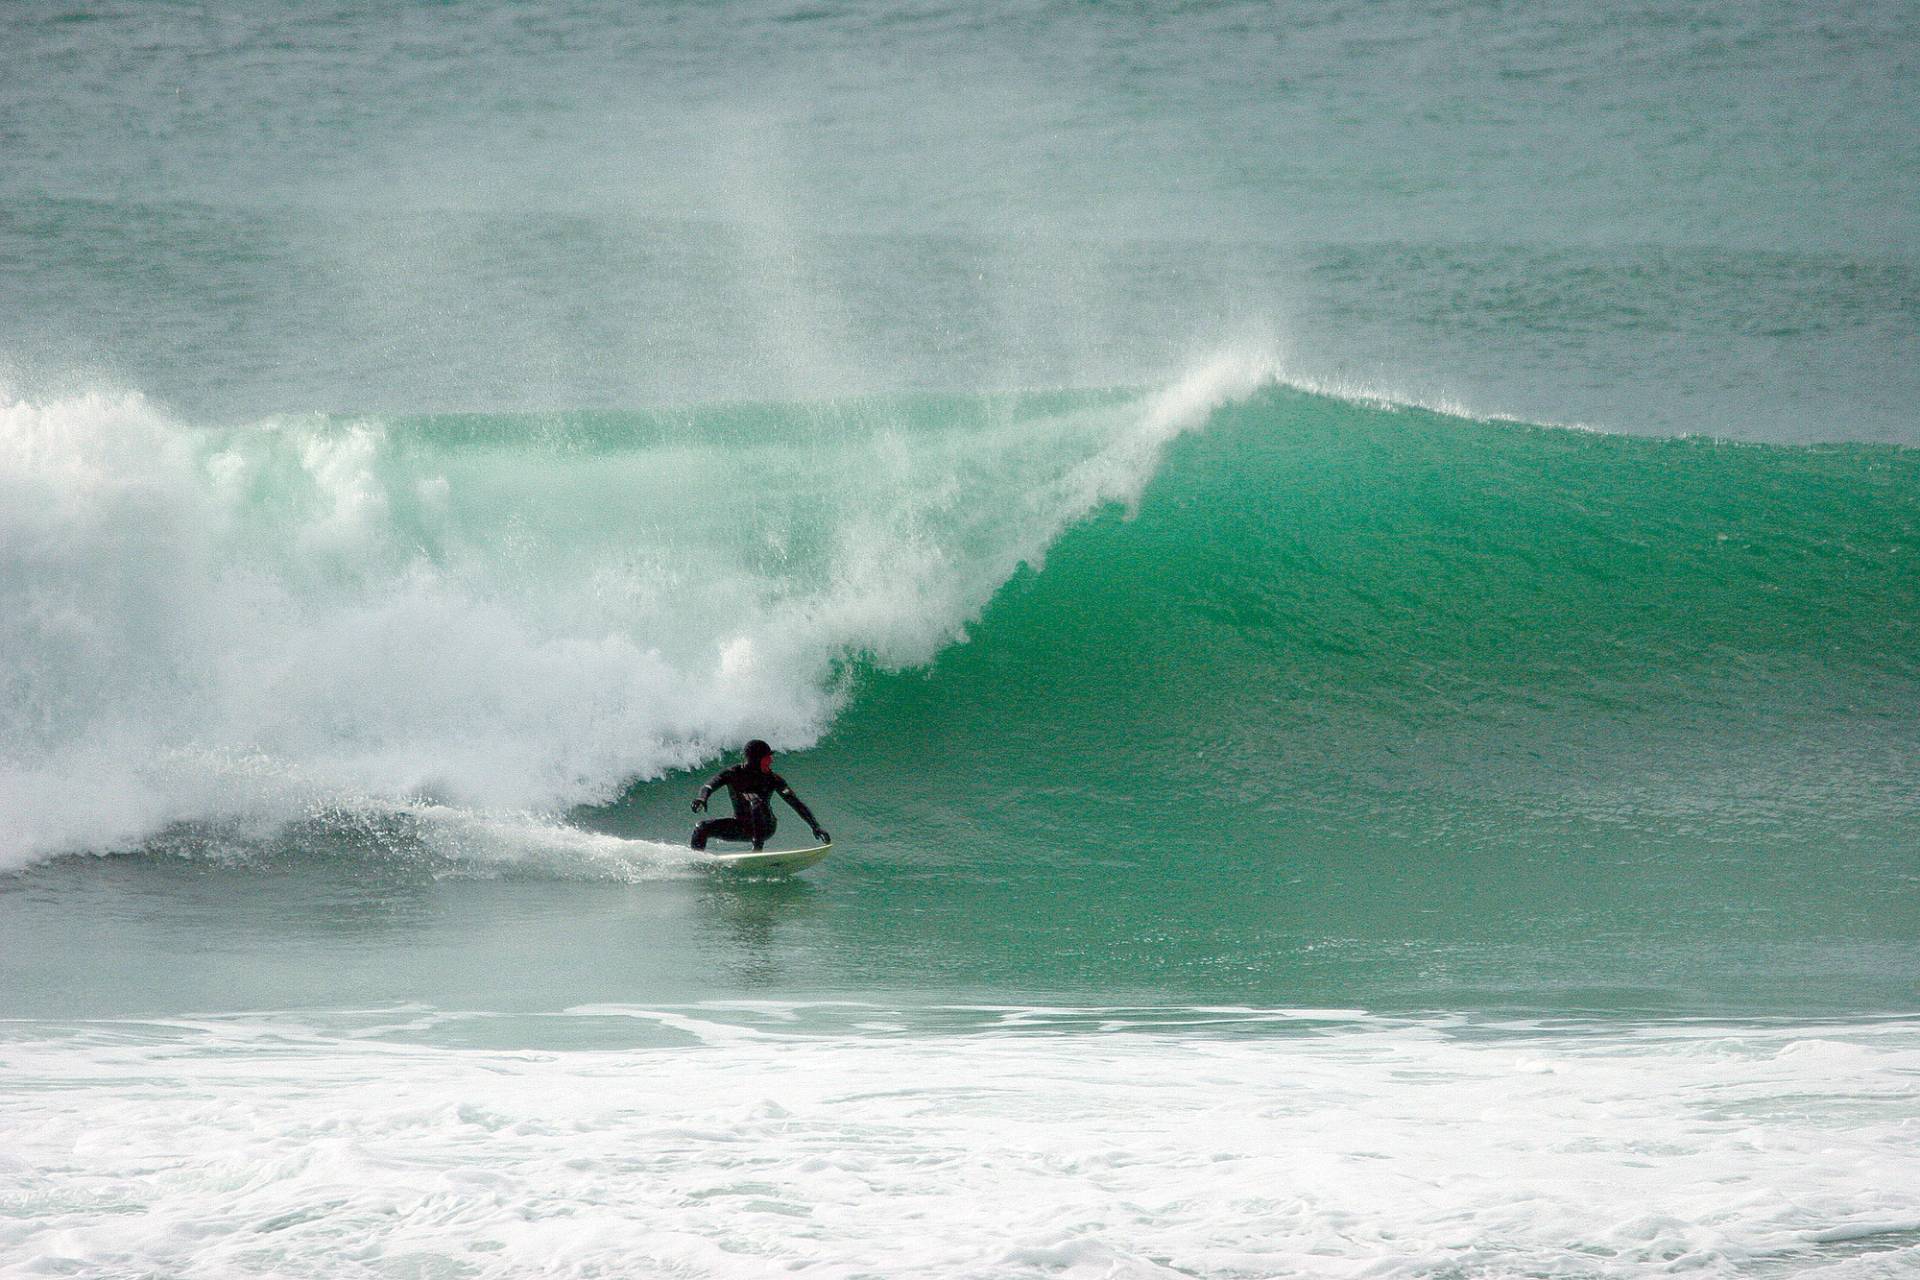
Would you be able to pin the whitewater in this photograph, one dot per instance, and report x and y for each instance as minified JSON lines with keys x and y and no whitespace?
{"x":352,"y":611}
{"x":1011,"y":1142}
{"x":1346,"y":577}
{"x":372,"y":861}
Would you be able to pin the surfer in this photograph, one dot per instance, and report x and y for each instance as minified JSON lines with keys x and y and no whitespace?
{"x":753,"y":784}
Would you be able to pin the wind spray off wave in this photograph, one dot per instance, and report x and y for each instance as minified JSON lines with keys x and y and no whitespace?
{"x":513,"y":613}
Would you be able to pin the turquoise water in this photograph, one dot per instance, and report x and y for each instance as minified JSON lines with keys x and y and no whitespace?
{"x":1345,"y":579}
{"x":1353,"y":704}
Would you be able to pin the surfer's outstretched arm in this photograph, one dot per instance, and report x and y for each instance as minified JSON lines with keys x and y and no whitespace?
{"x":800,"y":807}
{"x":719,"y":780}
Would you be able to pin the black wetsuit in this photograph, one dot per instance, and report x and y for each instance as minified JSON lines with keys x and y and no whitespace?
{"x":752,"y":819}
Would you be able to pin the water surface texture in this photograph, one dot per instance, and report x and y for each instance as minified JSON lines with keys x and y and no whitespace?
{"x":1346,"y":578}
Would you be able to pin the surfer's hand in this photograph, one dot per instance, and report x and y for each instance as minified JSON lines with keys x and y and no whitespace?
{"x":700,"y":806}
{"x":820,"y":834}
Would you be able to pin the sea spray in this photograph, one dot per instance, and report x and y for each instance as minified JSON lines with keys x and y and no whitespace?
{"x":505,"y":616}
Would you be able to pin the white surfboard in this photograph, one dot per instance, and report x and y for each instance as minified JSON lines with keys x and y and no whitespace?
{"x":785,"y":861}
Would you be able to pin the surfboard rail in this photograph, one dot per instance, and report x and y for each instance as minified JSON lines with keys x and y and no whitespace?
{"x":785,"y":861}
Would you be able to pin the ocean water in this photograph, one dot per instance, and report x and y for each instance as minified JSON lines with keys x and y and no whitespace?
{"x":1346,"y":577}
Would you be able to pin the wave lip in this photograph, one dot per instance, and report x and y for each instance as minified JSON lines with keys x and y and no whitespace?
{"x":1478,"y":626}
{"x":512,"y":619}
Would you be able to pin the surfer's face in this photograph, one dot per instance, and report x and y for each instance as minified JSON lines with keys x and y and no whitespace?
{"x":766,"y":764}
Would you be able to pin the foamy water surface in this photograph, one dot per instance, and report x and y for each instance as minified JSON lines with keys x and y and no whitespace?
{"x":857,"y":1139}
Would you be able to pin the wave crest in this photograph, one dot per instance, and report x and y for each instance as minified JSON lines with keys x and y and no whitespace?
{"x":506,"y":615}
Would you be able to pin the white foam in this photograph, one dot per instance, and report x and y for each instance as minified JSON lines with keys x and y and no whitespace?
{"x":247,"y":1146}
{"x":356,"y":616}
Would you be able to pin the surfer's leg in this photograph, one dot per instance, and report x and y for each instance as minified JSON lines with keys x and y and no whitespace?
{"x":763,"y":825}
{"x":720,"y":829}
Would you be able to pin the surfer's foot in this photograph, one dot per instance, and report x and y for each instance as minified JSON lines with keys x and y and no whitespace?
{"x":758,"y":845}
{"x":699,"y":840}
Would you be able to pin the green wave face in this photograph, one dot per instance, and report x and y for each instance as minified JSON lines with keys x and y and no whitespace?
{"x":499,"y":613}
{"x":1230,"y":691}
{"x":1576,"y":710}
